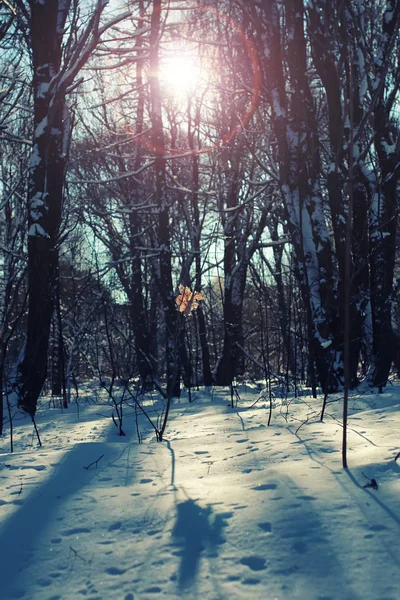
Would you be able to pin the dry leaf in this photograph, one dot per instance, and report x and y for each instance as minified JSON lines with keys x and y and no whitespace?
{"x":187,"y":300}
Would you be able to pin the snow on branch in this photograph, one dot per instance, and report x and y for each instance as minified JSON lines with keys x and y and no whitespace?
{"x":273,"y":243}
{"x":117,"y":177}
{"x":114,"y":21}
{"x":85,"y":45}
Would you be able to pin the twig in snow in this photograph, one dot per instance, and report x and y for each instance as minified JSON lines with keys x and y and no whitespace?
{"x":79,"y":556}
{"x":94,"y":462}
{"x":301,"y":425}
{"x":372,"y":483}
{"x":254,"y":403}
{"x":36,"y":430}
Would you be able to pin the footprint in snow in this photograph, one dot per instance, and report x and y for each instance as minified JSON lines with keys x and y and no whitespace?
{"x":250,"y":581}
{"x":266,"y":526}
{"x":377,"y":527}
{"x":306,"y":498}
{"x":264,"y":486}
{"x":75,"y":531}
{"x":255,"y":563}
{"x":30,"y":466}
{"x":153,"y":532}
{"x":44,"y":582}
{"x":115,"y":571}
{"x":300,"y":547}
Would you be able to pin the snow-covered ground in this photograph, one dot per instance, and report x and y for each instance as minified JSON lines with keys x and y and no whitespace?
{"x":225,"y":508}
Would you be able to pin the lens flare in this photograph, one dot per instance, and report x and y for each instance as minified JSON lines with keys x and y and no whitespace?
{"x":180,"y":75}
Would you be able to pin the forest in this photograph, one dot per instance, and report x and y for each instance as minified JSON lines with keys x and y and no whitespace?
{"x":199,"y":246}
{"x":198,"y":193}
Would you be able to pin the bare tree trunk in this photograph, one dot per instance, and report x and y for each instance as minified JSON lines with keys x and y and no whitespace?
{"x":163,"y":229}
{"x":138,"y":313}
{"x":230,"y":364}
{"x":45,"y":195}
{"x":57,"y":57}
{"x":58,"y":358}
{"x":295,"y":127}
{"x":384,"y":207}
{"x":205,"y":350}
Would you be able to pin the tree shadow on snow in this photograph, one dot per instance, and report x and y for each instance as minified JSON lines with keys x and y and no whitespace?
{"x":196,"y":530}
{"x":21,"y":533}
{"x":374,"y":497}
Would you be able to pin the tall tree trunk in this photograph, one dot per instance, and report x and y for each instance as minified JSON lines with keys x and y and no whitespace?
{"x":382,"y":257}
{"x":231,"y":362}
{"x":163,"y":229}
{"x":205,"y":350}
{"x":138,"y":312}
{"x":295,"y":128}
{"x":383,"y":219}
{"x":45,"y":194}
{"x":58,"y":383}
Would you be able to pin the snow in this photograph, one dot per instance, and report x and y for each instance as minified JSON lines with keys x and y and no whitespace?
{"x":279,"y":111}
{"x":388,"y":17}
{"x":225,"y":508}
{"x":36,"y":230}
{"x":43,"y":89}
{"x":35,"y":158}
{"x":325,"y":344}
{"x":41,"y":127}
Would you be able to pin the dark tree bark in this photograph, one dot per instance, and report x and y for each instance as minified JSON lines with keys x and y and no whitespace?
{"x":45,"y":194}
{"x":295,"y":127}
{"x":56,"y":60}
{"x":205,"y":350}
{"x":134,"y":288}
{"x":231,"y":362}
{"x":242,"y":234}
{"x":163,"y":227}
{"x":58,"y":383}
{"x":383,"y":218}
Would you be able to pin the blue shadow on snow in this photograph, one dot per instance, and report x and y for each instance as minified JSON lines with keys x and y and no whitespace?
{"x":196,"y":529}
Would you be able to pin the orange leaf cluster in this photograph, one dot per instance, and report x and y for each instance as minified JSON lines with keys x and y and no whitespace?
{"x":188,"y":301}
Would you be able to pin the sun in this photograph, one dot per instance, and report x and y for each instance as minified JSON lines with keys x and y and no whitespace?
{"x":180,"y":75}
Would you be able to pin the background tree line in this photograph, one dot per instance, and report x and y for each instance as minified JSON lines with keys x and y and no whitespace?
{"x":269,"y":182}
